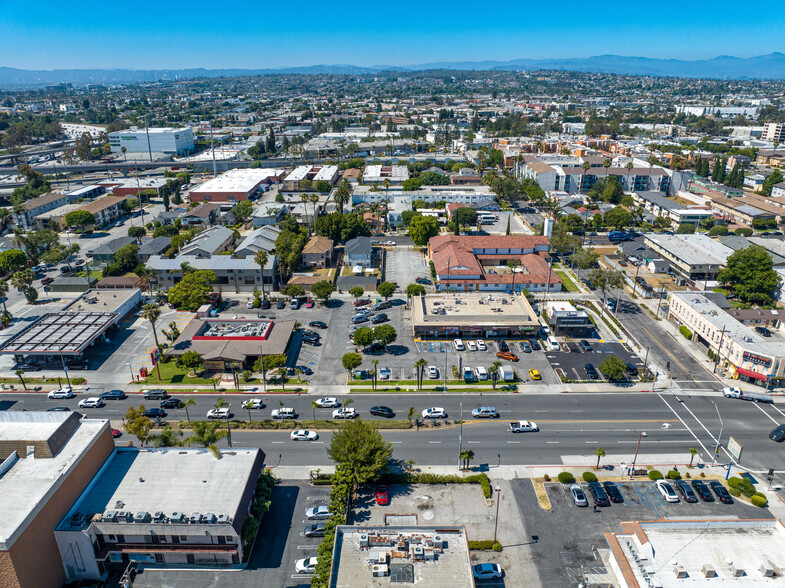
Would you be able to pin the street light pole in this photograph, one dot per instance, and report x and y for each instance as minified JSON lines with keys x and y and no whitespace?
{"x":637,"y":447}
{"x":717,"y":445}
{"x":498,"y":491}
{"x":460,"y":438}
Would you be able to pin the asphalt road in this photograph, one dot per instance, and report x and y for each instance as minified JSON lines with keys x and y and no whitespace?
{"x":570,"y":425}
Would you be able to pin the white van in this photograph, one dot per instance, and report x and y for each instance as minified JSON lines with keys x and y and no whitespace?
{"x":481,"y":373}
{"x":458,"y":345}
{"x":553,"y":344}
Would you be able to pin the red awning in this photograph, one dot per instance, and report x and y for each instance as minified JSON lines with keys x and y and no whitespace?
{"x":751,"y":374}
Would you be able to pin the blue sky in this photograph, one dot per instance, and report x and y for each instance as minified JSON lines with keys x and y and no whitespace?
{"x":143,"y":34}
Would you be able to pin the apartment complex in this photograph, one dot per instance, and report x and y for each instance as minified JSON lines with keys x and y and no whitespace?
{"x":377,"y":174}
{"x":310,"y":173}
{"x":774,"y":132}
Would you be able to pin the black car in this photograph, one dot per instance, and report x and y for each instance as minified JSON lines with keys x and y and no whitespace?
{"x":266,"y":304}
{"x":280,"y":304}
{"x":374,"y":349}
{"x":778,"y":434}
{"x":535,"y":344}
{"x":171,"y":403}
{"x":157,"y":394}
{"x":304,"y":370}
{"x":763,"y":331}
{"x":503,"y":346}
{"x":423,"y":281}
{"x":315,"y":530}
{"x":155,"y":413}
{"x":585,"y":345}
{"x":702,"y":490}
{"x":632,"y":371}
{"x":686,"y":492}
{"x":591,"y":371}
{"x":382,"y":411}
{"x":598,"y":494}
{"x":58,"y":409}
{"x":721,"y":492}
{"x":114,"y":395}
{"x":613,"y":492}
{"x":317,"y":324}
{"x":379,"y":318}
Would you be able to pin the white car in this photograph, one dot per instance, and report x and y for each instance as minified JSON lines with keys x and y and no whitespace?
{"x":458,"y":344}
{"x":667,"y":491}
{"x":284,"y":413}
{"x":61,"y":393}
{"x":471,"y":346}
{"x":486,"y":570}
{"x":305,"y":566}
{"x":328,"y":402}
{"x":384,"y":373}
{"x":219,"y":413}
{"x":304,"y":435}
{"x":481,"y":345}
{"x":318,"y":512}
{"x":731,"y":392}
{"x":433,"y":373}
{"x":94,"y":402}
{"x":434,"y":412}
{"x":524,"y":427}
{"x":345,"y":413}
{"x":252,"y":403}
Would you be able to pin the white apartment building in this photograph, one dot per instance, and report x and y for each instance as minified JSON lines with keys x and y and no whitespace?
{"x":376,"y":174}
{"x":774,"y":132}
{"x":156,"y":140}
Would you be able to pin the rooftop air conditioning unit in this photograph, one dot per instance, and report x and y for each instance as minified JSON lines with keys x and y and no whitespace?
{"x":159,"y":517}
{"x":438,"y":542}
{"x":680,"y":572}
{"x":737,"y":572}
{"x":195,"y":518}
{"x":122,"y":516}
{"x":176,"y":517}
{"x":110,"y":516}
{"x":418,"y":553}
{"x":142,"y":517}
{"x":767,"y":569}
{"x":364,"y":541}
{"x":380,"y":570}
{"x":208,"y":518}
{"x":708,"y":571}
{"x":222,"y":519}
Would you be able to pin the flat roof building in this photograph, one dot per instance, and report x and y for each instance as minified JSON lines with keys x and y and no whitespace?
{"x":376,"y":174}
{"x":236,"y":185}
{"x":158,"y":140}
{"x":312,"y":173}
{"x":695,"y":257}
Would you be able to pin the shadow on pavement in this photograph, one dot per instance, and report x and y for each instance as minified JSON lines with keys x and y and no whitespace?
{"x":274,"y":529}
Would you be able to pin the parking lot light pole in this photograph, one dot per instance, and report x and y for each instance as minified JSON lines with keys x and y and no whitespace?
{"x":498,"y":491}
{"x":460,"y":438}
{"x":717,"y":445}
{"x":132,"y":371}
{"x":637,"y":447}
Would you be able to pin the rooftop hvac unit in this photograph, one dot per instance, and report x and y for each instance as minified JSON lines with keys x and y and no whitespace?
{"x":364,"y":541}
{"x":708,"y":571}
{"x":438,"y":542}
{"x":208,"y":518}
{"x":767,"y":569}
{"x":122,"y":516}
{"x":110,"y":516}
{"x":680,"y":572}
{"x":142,"y":517}
{"x":737,"y":572}
{"x":195,"y":518}
{"x":418,"y":553}
{"x":380,"y":570}
{"x":223,"y":519}
{"x":159,"y":517}
{"x":176,"y":517}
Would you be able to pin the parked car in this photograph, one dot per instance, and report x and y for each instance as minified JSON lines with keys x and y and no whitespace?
{"x":382,"y":411}
{"x":114,"y":395}
{"x":345,"y":413}
{"x":58,"y":409}
{"x":61,"y":393}
{"x":155,"y":413}
{"x":46,"y":281}
{"x":157,"y":394}
{"x":116,"y":433}
{"x":507,"y":355}
{"x":284,"y":413}
{"x":434,"y":413}
{"x":171,"y":403}
{"x":526,"y":347}
{"x":280,"y":304}
{"x":219,"y":413}
{"x":585,"y":345}
{"x":317,"y":324}
{"x":252,"y":404}
{"x":535,"y":344}
{"x":667,"y":491}
{"x":702,"y":490}
{"x":598,"y":494}
{"x":306,"y":566}
{"x":481,"y":373}
{"x":379,"y":318}
{"x":503,"y":346}
{"x":314,"y":530}
{"x":686,"y":491}
{"x":423,"y":281}
{"x":433,"y":372}
{"x":591,"y":371}
{"x":721,"y":492}
{"x":92,"y":402}
{"x":382,"y":495}
{"x":481,"y":345}
{"x":535,"y":374}
{"x":309,"y":303}
{"x":761,"y":330}
{"x":471,"y":346}
{"x":578,"y":497}
{"x":486,"y":570}
{"x":304,"y":435}
{"x":485,"y":412}
{"x":523,"y":427}
{"x":318,"y":512}
{"x":777,"y":434}
{"x":458,"y":345}
{"x":613,"y":492}
{"x":359,"y":318}
{"x":28,"y":367}
{"x":265,"y":304}
{"x":385,"y":373}
{"x":362,"y":301}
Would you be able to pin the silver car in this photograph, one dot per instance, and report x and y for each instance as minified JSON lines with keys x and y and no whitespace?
{"x":578,"y":496}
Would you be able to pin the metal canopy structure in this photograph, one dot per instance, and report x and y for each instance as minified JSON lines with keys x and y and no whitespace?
{"x":67,"y":333}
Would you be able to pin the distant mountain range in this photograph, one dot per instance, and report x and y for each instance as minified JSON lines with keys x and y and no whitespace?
{"x":770,"y":66}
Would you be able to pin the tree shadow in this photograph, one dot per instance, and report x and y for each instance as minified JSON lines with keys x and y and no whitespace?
{"x":398,"y":349}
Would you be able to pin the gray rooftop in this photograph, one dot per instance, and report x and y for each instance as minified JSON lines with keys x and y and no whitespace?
{"x":62,"y":332}
{"x":113,"y":246}
{"x":261,"y":239}
{"x":209,"y":240}
{"x":358,"y":246}
{"x":214,"y":263}
{"x":693,"y":249}
{"x":155,"y":246}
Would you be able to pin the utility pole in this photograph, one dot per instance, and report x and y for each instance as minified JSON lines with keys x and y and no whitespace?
{"x":717,"y":447}
{"x":147,"y":132}
{"x":719,"y":351}
{"x":635,"y":281}
{"x":460,"y":439}
{"x":212,"y":147}
{"x":261,"y":360}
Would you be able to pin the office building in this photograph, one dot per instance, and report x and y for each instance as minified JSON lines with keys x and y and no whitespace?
{"x":156,"y":140}
{"x":774,"y":132}
{"x":236,"y":185}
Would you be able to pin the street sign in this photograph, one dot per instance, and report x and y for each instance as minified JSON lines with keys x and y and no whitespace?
{"x":155,"y":355}
{"x":735,"y":448}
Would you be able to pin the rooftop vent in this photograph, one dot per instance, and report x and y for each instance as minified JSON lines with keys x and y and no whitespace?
{"x":195,"y":518}
{"x":142,"y":517}
{"x":122,"y":516}
{"x":208,"y":518}
{"x":679,"y":572}
{"x":364,"y":541}
{"x":159,"y":517}
{"x":381,"y":570}
{"x":223,"y":519}
{"x":767,"y":569}
{"x":110,"y":516}
{"x":708,"y":571}
{"x":737,"y":572}
{"x":176,"y":517}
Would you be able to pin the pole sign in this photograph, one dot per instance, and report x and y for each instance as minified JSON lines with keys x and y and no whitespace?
{"x":155,"y":355}
{"x":735,"y":448}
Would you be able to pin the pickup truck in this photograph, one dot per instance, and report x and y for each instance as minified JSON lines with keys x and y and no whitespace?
{"x":734,"y":392}
{"x":523,"y":427}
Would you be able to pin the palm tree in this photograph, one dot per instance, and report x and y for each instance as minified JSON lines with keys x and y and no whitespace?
{"x":261,"y":258}
{"x":145,"y":273}
{"x":375,"y":363}
{"x":168,"y":438}
{"x":342,"y":195}
{"x":19,"y":241}
{"x":494,"y":371}
{"x":600,"y":453}
{"x":412,"y":414}
{"x":189,"y":402}
{"x":206,"y":435}
{"x":20,"y":373}
{"x":607,"y":164}
{"x":3,"y":291}
{"x":512,"y":264}
{"x":419,"y":365}
{"x":387,"y":183}
{"x":313,"y":408}
{"x":304,"y":198}
{"x":585,"y":165}
{"x":347,"y":402}
{"x":629,"y":167}
{"x":693,"y":453}
{"x":151,"y":312}
{"x":466,"y":456}
{"x":314,"y":198}
{"x":22,"y":280}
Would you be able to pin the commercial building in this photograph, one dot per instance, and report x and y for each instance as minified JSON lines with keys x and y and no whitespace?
{"x":742,"y":352}
{"x":135,"y":187}
{"x":165,"y":507}
{"x":694,"y":257}
{"x":157,"y":140}
{"x":377,"y":557}
{"x":223,"y":342}
{"x":431,"y":194}
{"x":481,"y":263}
{"x":46,"y":460}
{"x":377,"y":174}
{"x":473,"y":315}
{"x":236,"y":185}
{"x":566,"y":320}
{"x":312,"y":174}
{"x":677,"y":553}
{"x":659,"y":205}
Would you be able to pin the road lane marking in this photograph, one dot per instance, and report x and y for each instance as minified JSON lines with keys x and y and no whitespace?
{"x":685,"y":425}
{"x":516,"y":442}
{"x":659,"y":441}
{"x":434,"y":442}
{"x":668,"y":352}
{"x":552,"y":442}
{"x":396,"y":442}
{"x":755,"y":404}
{"x":277,"y":442}
{"x":472,"y":441}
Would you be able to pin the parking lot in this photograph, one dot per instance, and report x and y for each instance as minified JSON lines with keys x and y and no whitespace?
{"x":573,"y":358}
{"x":566,"y":540}
{"x":404,"y":265}
{"x":500,"y":226}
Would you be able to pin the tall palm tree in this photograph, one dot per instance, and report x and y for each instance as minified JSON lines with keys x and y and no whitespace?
{"x":313,"y":408}
{"x":387,"y":183}
{"x":145,"y":274}
{"x":20,"y":374}
{"x":19,"y":240}
{"x":607,"y":164}
{"x":314,"y":198}
{"x":261,"y":258}
{"x":206,"y":435}
{"x":342,"y":195}
{"x":304,"y":198}
{"x":151,"y":312}
{"x":512,"y":264}
{"x":375,"y":363}
{"x":418,"y":366}
{"x":585,"y":165}
{"x":494,"y":372}
{"x":3,"y":291}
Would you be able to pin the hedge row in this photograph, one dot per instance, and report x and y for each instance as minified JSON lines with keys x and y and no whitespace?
{"x":259,"y":506}
{"x":425,"y":478}
{"x":485,"y":545}
{"x":686,"y":332}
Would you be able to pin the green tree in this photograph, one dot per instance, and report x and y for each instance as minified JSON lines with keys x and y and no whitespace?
{"x":80,"y":219}
{"x":342,"y":194}
{"x":322,"y":290}
{"x":137,"y":424}
{"x":207,"y":435}
{"x":693,"y":453}
{"x":243,"y":210}
{"x":20,"y":374}
{"x":167,"y":438}
{"x":357,"y":291}
{"x":493,"y":372}
{"x":466,"y":456}
{"x":613,"y":368}
{"x":718,"y":231}
{"x":22,"y":280}
{"x":749,"y":273}
{"x":606,"y":280}
{"x":293,"y":291}
{"x":190,"y":402}
{"x":607,"y":189}
{"x":618,"y":217}
{"x":384,"y":334}
{"x":464,"y":216}
{"x":413,"y":290}
{"x":351,"y":361}
{"x":774,"y":178}
{"x":151,"y":312}
{"x":600,"y":453}
{"x":190,"y":360}
{"x":386,"y":289}
{"x":191,"y":292}
{"x":260,"y":257}
{"x":423,"y":228}
{"x":361,"y":447}
{"x":12,"y":259}
{"x":685,"y":229}
{"x":363,"y":336}
{"x":419,"y":366}
{"x":137,"y":232}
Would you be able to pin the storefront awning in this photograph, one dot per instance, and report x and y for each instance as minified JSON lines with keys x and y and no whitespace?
{"x":750,"y":374}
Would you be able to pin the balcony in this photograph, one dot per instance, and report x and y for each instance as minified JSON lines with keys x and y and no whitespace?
{"x":106,"y":548}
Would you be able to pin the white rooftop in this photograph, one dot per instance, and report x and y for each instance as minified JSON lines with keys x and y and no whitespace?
{"x":693,"y":249}
{"x":237,"y":180}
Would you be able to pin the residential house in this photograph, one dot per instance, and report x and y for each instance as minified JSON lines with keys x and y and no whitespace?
{"x":28,"y":210}
{"x":261,"y":239}
{"x":358,"y":251}
{"x":168,"y":218}
{"x":212,"y":241}
{"x":312,"y":173}
{"x":106,"y":209}
{"x":377,"y":174}
{"x":204,"y":214}
{"x":269,"y":213}
{"x":104,"y":255}
{"x":156,"y":246}
{"x":318,"y":252}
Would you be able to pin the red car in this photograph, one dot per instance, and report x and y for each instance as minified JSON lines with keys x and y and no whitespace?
{"x":507,"y":355}
{"x":382,"y":495}
{"x":116,"y":433}
{"x":362,"y":301}
{"x":47,"y":281}
{"x":309,"y":303}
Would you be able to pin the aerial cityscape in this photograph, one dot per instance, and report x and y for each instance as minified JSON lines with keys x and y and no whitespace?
{"x":498,"y":313}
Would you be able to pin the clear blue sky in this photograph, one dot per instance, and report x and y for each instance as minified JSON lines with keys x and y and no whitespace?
{"x":144,"y":34}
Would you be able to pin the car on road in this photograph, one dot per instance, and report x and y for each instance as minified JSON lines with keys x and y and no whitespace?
{"x":702,"y":490}
{"x":507,"y":355}
{"x":523,"y":427}
{"x":304,"y":435}
{"x":503,"y":346}
{"x":721,"y":492}
{"x":526,"y":347}
{"x":28,"y":367}
{"x":317,"y":512}
{"x":382,"y":495}
{"x":613,"y":492}
{"x":481,"y":345}
{"x":585,"y":345}
{"x":423,"y":281}
{"x":116,"y":433}
{"x":382,"y":411}
{"x":328,"y":402}
{"x":219,"y":413}
{"x":315,"y":530}
{"x":58,"y":409}
{"x":578,"y":497}
{"x":252,"y":403}
{"x":265,"y":304}
{"x":154,"y":413}
{"x":471,"y":346}
{"x":114,"y":395}
{"x":317,"y":325}
{"x":485,"y":412}
{"x":92,"y":402}
{"x":485,"y":571}
{"x":591,"y":371}
{"x":61,"y":393}
{"x":305,"y":566}
{"x":777,"y":434}
{"x":535,"y":374}
{"x":156,"y":394}
{"x":686,"y":492}
{"x":284,"y":413}
{"x":667,"y":491}
{"x":47,"y":280}
{"x":384,"y":373}
{"x":598,"y":494}
{"x":379,"y":318}
{"x":171,"y":403}
{"x":433,"y":372}
{"x":434,"y":413}
{"x":345,"y":413}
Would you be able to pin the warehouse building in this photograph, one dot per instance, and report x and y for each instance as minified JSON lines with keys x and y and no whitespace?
{"x":236,"y":185}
